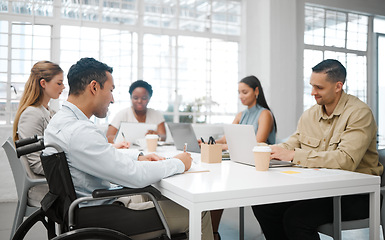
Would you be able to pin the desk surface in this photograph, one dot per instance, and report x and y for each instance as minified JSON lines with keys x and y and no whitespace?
{"x":231,"y":184}
{"x":233,"y":180}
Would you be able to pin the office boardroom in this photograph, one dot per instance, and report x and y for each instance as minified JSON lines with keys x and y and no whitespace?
{"x":194,"y":54}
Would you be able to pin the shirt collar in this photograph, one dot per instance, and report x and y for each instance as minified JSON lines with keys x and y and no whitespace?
{"x":337,"y":111}
{"x":77,"y":112}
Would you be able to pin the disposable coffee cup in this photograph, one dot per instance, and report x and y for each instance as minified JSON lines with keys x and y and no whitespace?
{"x":152,"y":142}
{"x":262,"y":157}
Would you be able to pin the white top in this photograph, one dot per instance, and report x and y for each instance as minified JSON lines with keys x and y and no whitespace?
{"x":127,"y":115}
{"x":93,"y":162}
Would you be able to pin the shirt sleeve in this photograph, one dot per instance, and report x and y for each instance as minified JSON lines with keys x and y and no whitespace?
{"x":102,"y":160}
{"x":30,"y":124}
{"x":349,"y":145}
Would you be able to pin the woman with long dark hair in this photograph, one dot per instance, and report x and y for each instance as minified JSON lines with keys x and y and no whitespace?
{"x":259,"y":115}
{"x":258,"y":112}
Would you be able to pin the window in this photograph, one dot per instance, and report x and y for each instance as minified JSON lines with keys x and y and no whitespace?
{"x":339,"y":35}
{"x":29,"y":44}
{"x":200,"y":65}
{"x":184,"y":49}
{"x":379,"y":29}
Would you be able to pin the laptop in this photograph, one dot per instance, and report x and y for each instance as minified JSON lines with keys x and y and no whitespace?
{"x":133,"y":131}
{"x":241,"y":141}
{"x":204,"y":130}
{"x":184,"y":133}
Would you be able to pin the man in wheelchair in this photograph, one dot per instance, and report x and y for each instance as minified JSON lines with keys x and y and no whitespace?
{"x":94,"y":163}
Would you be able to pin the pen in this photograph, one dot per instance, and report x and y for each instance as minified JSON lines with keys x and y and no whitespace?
{"x":185,"y":147}
{"x":203,"y":141}
{"x":124,"y":138}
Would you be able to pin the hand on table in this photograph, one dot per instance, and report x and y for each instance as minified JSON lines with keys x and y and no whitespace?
{"x":186,"y":158}
{"x":281,"y":153}
{"x":122,"y":145}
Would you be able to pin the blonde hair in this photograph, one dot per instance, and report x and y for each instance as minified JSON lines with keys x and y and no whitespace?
{"x":33,"y":92}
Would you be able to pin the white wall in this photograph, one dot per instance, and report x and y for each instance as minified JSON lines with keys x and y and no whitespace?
{"x":270,"y":48}
{"x":273,"y":50}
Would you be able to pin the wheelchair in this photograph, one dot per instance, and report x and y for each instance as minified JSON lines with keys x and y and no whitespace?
{"x":60,"y":206}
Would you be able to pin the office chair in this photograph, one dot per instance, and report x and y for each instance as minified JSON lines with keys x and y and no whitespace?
{"x":109,"y":221}
{"x":30,"y":188}
{"x":327,"y":229}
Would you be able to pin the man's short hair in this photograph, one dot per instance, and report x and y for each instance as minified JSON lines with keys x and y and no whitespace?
{"x":335,"y":71}
{"x":84,"y":71}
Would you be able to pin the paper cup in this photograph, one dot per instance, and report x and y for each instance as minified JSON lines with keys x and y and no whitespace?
{"x":262,"y":157}
{"x":152,"y":142}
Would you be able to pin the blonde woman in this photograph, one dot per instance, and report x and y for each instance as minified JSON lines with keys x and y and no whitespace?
{"x":33,"y":114}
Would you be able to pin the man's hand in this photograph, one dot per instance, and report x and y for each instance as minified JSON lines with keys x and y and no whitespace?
{"x":186,"y":158}
{"x":281,"y":153}
{"x":122,"y":145}
{"x":150,"y":157}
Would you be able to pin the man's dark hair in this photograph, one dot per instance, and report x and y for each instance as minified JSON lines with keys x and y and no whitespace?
{"x":333,"y":68}
{"x":84,"y":71}
{"x":143,"y":84}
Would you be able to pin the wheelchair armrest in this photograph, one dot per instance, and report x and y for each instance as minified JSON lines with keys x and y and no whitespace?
{"x":126,"y":191}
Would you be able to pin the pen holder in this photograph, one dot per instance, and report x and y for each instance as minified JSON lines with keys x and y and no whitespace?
{"x":211,"y":153}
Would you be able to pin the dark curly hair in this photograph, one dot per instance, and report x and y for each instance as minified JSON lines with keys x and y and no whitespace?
{"x":143,"y":84}
{"x":84,"y":71}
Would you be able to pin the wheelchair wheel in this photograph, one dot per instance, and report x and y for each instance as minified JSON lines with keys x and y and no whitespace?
{"x":92,"y":234}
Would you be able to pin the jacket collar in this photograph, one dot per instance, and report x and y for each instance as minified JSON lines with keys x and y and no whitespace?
{"x":321,"y":114}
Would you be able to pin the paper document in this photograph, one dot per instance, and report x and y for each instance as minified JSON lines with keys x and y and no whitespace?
{"x":197,"y":168}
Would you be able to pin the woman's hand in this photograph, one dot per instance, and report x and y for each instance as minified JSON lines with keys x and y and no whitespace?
{"x":152,"y":132}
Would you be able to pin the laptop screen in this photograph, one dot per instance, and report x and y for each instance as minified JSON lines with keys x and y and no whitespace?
{"x":183,"y":133}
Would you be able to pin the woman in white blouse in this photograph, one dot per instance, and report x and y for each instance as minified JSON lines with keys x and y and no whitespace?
{"x":141,"y":93}
{"x":33,"y":113}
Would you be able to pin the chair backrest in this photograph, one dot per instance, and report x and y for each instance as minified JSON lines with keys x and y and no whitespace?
{"x":381,"y":159}
{"x":61,"y":188}
{"x":18,"y":169}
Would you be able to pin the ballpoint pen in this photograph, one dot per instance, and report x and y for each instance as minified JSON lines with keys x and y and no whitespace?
{"x":185,"y":147}
{"x":124,"y":138}
{"x":203,"y":141}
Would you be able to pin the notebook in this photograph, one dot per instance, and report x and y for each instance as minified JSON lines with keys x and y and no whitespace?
{"x":241,"y":141}
{"x":184,"y":133}
{"x":133,"y":131}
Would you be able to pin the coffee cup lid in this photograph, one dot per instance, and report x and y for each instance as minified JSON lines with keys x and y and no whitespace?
{"x":152,"y":136}
{"x":261,"y":149}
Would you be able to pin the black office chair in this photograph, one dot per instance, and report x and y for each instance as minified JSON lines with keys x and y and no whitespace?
{"x":111,"y":221}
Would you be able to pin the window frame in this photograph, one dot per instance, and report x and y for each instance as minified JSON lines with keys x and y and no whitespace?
{"x":57,"y":20}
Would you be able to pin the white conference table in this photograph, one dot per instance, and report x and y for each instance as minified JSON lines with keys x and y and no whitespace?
{"x":229,"y":184}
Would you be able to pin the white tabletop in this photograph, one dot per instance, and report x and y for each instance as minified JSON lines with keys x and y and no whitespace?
{"x":230,"y":184}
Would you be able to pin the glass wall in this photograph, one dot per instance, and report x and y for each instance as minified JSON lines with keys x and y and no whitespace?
{"x":187,"y":50}
{"x":381,"y":89}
